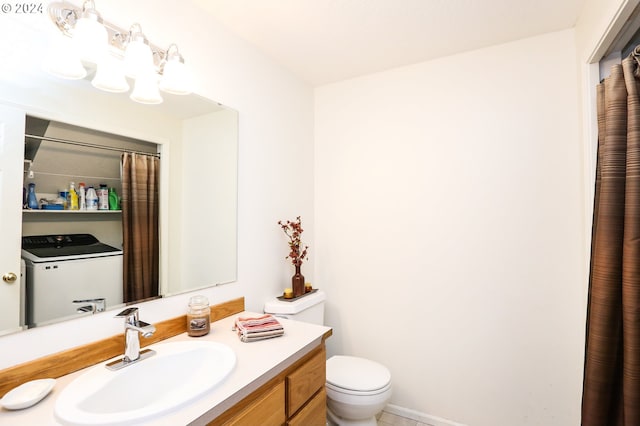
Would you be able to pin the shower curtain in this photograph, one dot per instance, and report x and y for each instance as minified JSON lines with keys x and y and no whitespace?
{"x":611,"y":388}
{"x":140,"y":177}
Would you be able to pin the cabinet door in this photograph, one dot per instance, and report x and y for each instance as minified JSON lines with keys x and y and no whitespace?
{"x":267,"y":411}
{"x":12,"y":122}
{"x":314,"y":413}
{"x":303,"y":383}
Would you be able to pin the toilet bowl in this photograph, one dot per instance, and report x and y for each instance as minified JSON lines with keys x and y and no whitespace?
{"x":357,"y":388}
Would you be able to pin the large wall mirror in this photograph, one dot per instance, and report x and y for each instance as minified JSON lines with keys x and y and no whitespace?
{"x":196,"y":140}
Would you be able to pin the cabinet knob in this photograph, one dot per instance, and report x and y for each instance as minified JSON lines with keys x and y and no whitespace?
{"x":9,"y":278}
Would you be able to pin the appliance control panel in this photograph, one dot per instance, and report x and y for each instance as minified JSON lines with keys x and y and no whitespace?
{"x":43,"y":241}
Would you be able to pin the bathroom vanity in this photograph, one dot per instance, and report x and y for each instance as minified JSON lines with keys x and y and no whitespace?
{"x":295,"y":397}
{"x":275,"y":381}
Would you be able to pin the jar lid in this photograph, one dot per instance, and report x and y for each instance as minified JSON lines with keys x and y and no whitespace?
{"x":358,"y":374}
{"x":198,"y":300}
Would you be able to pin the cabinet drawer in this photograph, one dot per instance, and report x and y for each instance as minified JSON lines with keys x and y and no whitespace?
{"x":314,"y":413}
{"x":303,"y":383}
{"x":268,"y":410}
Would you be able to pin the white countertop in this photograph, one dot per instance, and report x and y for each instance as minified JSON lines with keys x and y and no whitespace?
{"x":257,"y":362}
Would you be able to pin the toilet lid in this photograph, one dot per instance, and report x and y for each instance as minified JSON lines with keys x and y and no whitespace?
{"x":358,"y":374}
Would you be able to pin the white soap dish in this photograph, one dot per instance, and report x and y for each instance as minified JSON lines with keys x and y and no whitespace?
{"x":27,"y":394}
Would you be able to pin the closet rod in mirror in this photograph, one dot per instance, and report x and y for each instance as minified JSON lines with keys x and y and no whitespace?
{"x":89,"y":145}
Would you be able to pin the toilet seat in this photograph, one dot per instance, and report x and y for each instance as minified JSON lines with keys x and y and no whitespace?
{"x":357,"y":376}
{"x":340,"y":390}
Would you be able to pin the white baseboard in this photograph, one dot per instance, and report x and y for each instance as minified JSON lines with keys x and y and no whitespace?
{"x":419,"y":417}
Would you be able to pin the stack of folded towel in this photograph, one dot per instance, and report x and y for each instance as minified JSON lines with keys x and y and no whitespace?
{"x":258,"y":328}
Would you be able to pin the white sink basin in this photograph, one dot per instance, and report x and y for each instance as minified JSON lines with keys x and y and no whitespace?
{"x":178,"y":373}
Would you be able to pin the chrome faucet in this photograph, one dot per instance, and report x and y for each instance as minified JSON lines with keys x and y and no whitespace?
{"x":133,"y":327}
{"x":92,"y":305}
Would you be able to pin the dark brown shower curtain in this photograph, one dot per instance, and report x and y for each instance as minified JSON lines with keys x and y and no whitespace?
{"x":140,"y":178}
{"x":611,"y":390}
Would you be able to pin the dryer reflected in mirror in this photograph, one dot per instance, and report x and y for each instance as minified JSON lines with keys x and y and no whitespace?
{"x":69,"y":274}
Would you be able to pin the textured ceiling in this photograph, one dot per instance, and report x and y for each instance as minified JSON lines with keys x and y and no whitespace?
{"x":324,"y":41}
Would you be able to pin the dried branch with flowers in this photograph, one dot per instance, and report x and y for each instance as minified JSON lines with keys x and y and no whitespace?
{"x":294,"y":232}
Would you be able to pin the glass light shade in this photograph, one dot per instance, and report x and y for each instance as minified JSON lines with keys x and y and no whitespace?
{"x":62,"y":60}
{"x":110,"y":76}
{"x":175,"y":78}
{"x":90,"y":38}
{"x":145,"y":89}
{"x":137,"y":57}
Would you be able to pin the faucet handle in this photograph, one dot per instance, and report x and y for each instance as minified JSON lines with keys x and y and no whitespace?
{"x":127,"y":312}
{"x":130,"y":315}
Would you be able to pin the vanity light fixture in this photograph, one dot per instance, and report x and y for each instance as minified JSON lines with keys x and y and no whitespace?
{"x":138,"y":57}
{"x":145,"y":89}
{"x":90,"y":35}
{"x":63,"y":61}
{"x":88,"y":45}
{"x":175,"y":78}
{"x":110,"y":76}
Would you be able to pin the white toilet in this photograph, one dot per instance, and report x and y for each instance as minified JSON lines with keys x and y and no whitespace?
{"x":357,"y":388}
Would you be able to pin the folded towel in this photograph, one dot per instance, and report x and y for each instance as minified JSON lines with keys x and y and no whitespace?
{"x":258,"y":328}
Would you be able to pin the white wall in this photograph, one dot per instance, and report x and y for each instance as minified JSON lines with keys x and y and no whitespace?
{"x":275,"y":159}
{"x":209,"y":169}
{"x":450,"y":231}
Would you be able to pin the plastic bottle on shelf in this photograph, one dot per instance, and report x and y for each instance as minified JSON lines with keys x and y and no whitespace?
{"x":92,"y":199}
{"x":103,"y":197}
{"x":61,"y":199}
{"x":82,"y":193}
{"x":114,"y":201}
{"x":32,"y":199}
{"x":73,"y":197}
{"x":63,"y":195}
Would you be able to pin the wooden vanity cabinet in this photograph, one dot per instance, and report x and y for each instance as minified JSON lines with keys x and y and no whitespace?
{"x":295,"y":397}
{"x":312,"y":414}
{"x":267,"y":409}
{"x":306,"y":396}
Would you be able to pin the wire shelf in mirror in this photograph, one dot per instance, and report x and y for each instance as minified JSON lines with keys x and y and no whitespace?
{"x":43,"y":211}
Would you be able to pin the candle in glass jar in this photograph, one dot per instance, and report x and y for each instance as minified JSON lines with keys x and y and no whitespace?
{"x":288,"y":293}
{"x":198,"y":316}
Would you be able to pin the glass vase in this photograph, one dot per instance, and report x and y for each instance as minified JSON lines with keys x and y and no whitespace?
{"x":297,"y":283}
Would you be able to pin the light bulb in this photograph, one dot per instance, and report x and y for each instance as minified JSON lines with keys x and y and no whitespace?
{"x":110,"y":76}
{"x":62,"y":60}
{"x":175,"y":77}
{"x":90,"y":36}
{"x":137,"y":57}
{"x":145,"y":89}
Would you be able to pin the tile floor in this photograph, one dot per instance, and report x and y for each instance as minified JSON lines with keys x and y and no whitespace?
{"x":387,"y":419}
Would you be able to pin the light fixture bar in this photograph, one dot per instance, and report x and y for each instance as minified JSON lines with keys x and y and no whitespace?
{"x":65,"y":16}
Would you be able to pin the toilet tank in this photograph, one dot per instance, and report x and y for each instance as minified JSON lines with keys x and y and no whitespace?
{"x":307,"y":308}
